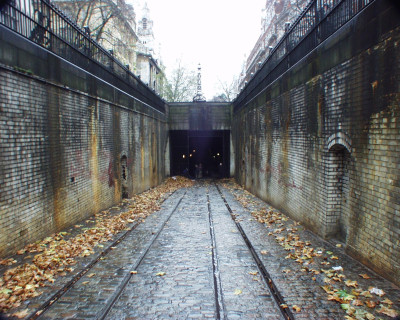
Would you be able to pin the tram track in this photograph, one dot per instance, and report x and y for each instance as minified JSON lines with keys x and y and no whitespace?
{"x":220,"y":308}
{"x":45,"y":306}
{"x":219,"y":302}
{"x":287,"y":314}
{"x":103,"y":314}
{"x":62,"y":291}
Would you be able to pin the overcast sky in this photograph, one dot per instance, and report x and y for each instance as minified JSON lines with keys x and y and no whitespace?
{"x":216,"y":33}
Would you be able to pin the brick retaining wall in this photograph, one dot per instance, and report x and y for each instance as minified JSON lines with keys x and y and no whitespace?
{"x":66,"y":153}
{"x":322,"y":143}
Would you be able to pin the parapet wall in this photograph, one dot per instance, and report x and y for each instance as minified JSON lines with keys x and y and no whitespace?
{"x":71,"y":144}
{"x":197,"y":116}
{"x":322,"y":142}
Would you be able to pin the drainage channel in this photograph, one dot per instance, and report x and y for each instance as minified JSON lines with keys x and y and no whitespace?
{"x":40,"y":311}
{"x":263,"y":271}
{"x":219,"y":303}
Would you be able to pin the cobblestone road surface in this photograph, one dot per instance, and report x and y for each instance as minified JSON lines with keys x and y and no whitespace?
{"x":190,"y":261}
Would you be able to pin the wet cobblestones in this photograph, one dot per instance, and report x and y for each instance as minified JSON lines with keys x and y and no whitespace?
{"x":238,"y":270}
{"x":293,"y":280}
{"x":88,"y":297}
{"x":189,"y":261}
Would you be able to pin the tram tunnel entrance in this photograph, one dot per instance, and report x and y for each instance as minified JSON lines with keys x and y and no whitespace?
{"x":200,"y":154}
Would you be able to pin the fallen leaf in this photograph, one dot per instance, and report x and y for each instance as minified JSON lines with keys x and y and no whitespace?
{"x":160,"y":274}
{"x":366,"y":294}
{"x":328,"y":289}
{"x":387,"y":301}
{"x":22,"y":251}
{"x":387,"y":311}
{"x":264,"y":252}
{"x":238,"y":291}
{"x":296,"y":308}
{"x":370,"y":304}
{"x":369,"y":316}
{"x":364,"y":276}
{"x":351,"y":283}
{"x":253,"y":273}
{"x":357,"y":303}
{"x":85,"y":282}
{"x":21,"y":314}
{"x":334,"y":297}
{"x":133,"y":272}
{"x":377,"y":291}
{"x":345,"y":296}
{"x":5,"y":291}
{"x":339,"y":268}
{"x":91,"y":275}
{"x":284,"y":306}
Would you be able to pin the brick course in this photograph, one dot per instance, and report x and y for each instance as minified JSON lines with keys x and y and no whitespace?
{"x":60,"y":152}
{"x":326,"y":150}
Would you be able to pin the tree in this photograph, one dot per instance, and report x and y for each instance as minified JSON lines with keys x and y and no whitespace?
{"x":220,"y":98}
{"x":180,"y":85}
{"x":110,"y":22}
{"x":95,"y":14}
{"x":229,"y":91}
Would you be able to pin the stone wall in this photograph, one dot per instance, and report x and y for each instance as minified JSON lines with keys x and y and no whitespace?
{"x":71,"y":144}
{"x":322,"y":142}
{"x":200,"y":116}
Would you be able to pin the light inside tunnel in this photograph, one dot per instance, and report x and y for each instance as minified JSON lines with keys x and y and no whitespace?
{"x":209,"y":157}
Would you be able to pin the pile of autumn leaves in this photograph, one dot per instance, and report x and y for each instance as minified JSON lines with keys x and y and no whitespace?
{"x":55,"y":255}
{"x":358,"y":303}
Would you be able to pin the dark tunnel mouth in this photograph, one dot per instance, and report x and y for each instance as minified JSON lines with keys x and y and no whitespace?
{"x":200,"y":154}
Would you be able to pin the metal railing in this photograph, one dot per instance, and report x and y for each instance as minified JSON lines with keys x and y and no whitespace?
{"x":43,"y":23}
{"x":319,"y":20}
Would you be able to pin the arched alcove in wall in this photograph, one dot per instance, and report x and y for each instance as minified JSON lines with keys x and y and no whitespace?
{"x":124,"y":176}
{"x":337,"y":189}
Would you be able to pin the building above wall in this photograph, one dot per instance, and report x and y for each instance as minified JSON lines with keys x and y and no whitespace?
{"x":277,"y":16}
{"x":112,"y":24}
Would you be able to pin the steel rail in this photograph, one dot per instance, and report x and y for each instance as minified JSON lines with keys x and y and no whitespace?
{"x":219,"y":301}
{"x":41,"y":310}
{"x":287,"y":314}
{"x":105,"y":311}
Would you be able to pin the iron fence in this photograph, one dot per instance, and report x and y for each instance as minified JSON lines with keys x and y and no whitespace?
{"x":43,"y":23}
{"x":319,"y":20}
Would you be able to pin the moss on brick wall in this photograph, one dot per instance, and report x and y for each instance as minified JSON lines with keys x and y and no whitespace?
{"x":322,"y":142}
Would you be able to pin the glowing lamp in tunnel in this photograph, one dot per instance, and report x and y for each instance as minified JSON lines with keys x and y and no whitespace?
{"x":183,"y":156}
{"x":218,"y":154}
{"x":190,"y":155}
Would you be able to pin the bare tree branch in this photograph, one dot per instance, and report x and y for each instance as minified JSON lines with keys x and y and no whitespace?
{"x":180,"y":85}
